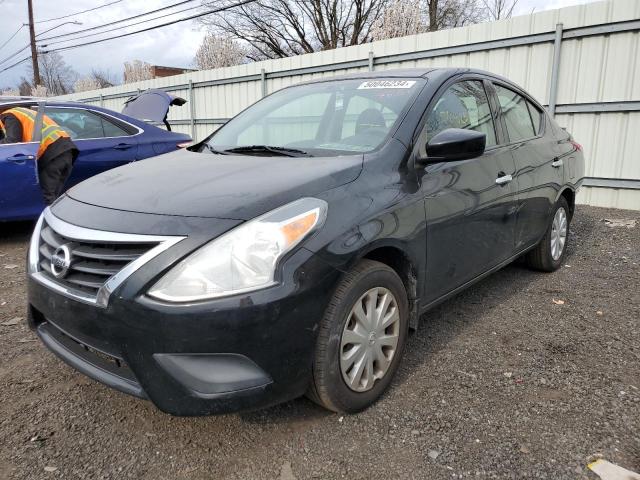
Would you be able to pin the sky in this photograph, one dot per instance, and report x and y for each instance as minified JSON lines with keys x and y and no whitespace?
{"x":170,"y":46}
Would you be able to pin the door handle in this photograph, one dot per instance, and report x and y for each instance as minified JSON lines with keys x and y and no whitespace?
{"x":20,"y":158}
{"x":503,"y":179}
{"x":123,"y":146}
{"x":557,"y":163}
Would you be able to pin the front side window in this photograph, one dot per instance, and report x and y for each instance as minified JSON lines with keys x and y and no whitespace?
{"x":516,"y":114}
{"x":82,"y":124}
{"x":463,"y":105}
{"x":322,"y":119}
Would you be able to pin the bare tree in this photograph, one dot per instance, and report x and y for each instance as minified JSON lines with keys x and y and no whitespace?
{"x":499,"y":9}
{"x":453,"y":13}
{"x":282,"y":28}
{"x":136,"y":71}
{"x":104,"y":78}
{"x":217,"y":51}
{"x":24,"y":87}
{"x":57,"y":77}
{"x":95,"y":80}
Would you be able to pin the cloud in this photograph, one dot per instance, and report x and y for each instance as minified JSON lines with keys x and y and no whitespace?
{"x":172,"y":46}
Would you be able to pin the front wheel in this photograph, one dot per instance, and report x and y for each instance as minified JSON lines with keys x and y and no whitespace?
{"x":361,"y":339}
{"x":549,"y":254}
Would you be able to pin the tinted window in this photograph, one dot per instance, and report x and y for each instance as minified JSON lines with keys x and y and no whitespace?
{"x":82,"y":124}
{"x":463,"y":105}
{"x":536,"y":116}
{"x":516,"y":114}
{"x":358,"y":104}
{"x":299,"y":118}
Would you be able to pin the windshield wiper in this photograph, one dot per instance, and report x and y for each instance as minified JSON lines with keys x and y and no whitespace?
{"x":287,"y":152}
{"x":213,"y":150}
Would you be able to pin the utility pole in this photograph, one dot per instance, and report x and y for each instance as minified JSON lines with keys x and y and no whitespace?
{"x":34,"y":51}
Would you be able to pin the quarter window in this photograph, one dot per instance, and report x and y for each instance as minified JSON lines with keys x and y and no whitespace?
{"x":516,"y":114}
{"x":463,"y":105}
{"x":82,"y":124}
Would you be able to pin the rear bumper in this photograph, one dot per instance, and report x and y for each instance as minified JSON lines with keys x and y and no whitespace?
{"x":222,"y":356}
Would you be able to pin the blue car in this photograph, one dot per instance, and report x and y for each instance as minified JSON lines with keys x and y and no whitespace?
{"x":105,"y":139}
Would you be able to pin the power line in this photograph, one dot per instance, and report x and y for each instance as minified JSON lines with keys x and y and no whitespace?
{"x":79,"y":13}
{"x":16,"y":53}
{"x":119,"y":21}
{"x":16,"y":64}
{"x":208,"y":12}
{"x":117,"y":28}
{"x":11,"y":37}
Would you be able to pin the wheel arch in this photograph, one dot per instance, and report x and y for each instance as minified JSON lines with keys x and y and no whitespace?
{"x":397,"y":258}
{"x":570,"y":196}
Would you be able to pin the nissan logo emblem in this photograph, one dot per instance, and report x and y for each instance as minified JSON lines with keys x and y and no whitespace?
{"x":61,"y":261}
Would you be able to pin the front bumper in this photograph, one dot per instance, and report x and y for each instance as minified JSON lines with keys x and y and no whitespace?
{"x":232,"y":354}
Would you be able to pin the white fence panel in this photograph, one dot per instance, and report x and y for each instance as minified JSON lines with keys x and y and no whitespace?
{"x":598,"y":89}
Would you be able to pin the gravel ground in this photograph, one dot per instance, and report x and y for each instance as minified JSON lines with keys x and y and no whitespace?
{"x":525,"y":375}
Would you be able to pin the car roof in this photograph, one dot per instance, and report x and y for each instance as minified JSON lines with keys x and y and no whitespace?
{"x":409,"y":73}
{"x":49,"y":101}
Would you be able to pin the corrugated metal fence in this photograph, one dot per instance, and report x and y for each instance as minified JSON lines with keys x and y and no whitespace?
{"x":583,"y":62}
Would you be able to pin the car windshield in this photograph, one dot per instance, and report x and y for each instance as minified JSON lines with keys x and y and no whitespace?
{"x":322,"y":119}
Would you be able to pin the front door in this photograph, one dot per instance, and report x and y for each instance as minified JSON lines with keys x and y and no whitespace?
{"x":470,"y":204}
{"x":20,"y":194}
{"x":102,"y":143}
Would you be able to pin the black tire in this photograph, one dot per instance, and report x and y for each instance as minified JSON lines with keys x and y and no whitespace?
{"x":328,"y":387}
{"x":540,"y":257}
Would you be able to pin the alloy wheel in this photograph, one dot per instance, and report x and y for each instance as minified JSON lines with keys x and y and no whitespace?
{"x":558,"y":233}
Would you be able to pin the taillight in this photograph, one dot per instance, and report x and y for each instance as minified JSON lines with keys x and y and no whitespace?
{"x":576,"y":145}
{"x":183,"y":144}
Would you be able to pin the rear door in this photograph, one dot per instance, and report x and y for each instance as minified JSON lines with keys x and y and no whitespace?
{"x":469,"y":203}
{"x":20,"y":195}
{"x":104,"y":142}
{"x":539,"y":171}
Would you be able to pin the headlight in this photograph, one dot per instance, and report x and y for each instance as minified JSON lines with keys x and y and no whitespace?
{"x":243,"y":259}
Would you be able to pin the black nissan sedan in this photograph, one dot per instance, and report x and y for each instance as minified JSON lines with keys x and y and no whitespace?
{"x":292,"y":251}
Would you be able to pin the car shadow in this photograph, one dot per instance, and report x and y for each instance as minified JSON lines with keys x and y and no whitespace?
{"x":15,"y":231}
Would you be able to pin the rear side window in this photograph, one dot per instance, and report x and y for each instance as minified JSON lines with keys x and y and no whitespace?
{"x":463,"y":105}
{"x":516,"y":114}
{"x":82,"y":124}
{"x":536,"y":116}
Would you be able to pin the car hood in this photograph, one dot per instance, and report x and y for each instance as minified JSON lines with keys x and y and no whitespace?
{"x":194,"y":184}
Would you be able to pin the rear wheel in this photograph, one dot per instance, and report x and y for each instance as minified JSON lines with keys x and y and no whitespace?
{"x":361,"y":340}
{"x":549,"y":254}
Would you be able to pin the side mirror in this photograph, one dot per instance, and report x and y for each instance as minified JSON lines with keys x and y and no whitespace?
{"x":455,"y":144}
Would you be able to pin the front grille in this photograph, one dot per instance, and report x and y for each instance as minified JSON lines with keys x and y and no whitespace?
{"x":92,"y":262}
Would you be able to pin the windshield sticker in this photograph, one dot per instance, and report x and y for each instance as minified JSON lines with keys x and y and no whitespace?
{"x":386,"y":84}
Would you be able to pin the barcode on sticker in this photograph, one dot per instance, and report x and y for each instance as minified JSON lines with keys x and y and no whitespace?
{"x":386,"y":84}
